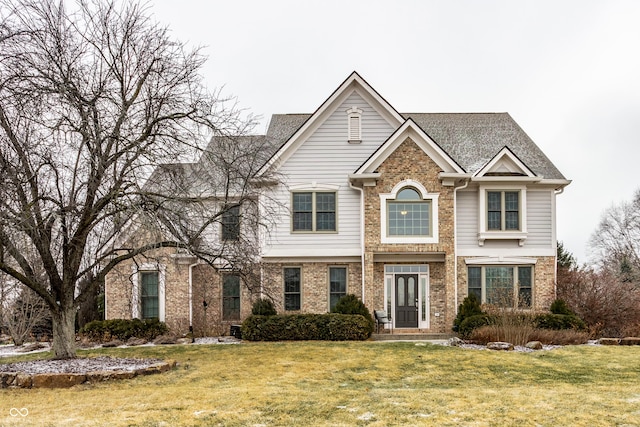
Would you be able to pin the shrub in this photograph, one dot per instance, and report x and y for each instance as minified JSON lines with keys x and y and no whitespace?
{"x":330,"y":327}
{"x":470,"y":307}
{"x":351,"y":304}
{"x":263,"y":307}
{"x":559,"y":321}
{"x":560,"y":307}
{"x":473,"y":322}
{"x":123,"y":329}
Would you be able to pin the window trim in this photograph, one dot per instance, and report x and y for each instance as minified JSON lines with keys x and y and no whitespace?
{"x":346,"y":282}
{"x":314,"y":211}
{"x":284,"y":288}
{"x":515,"y":285}
{"x":136,"y":297}
{"x":392,"y":197}
{"x":483,"y":218}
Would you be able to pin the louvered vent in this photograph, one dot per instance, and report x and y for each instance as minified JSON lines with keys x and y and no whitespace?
{"x":355,"y":125}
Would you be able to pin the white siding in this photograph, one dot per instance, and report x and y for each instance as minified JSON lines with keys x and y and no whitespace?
{"x":326,"y":158}
{"x":539,"y":219}
{"x":467,"y":218}
{"x":539,"y":241}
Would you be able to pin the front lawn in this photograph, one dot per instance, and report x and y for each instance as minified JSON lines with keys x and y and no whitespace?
{"x":349,"y":383}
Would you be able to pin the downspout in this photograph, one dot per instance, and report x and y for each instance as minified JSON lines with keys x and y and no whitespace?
{"x":455,"y":243}
{"x":191,"y":296}
{"x":362,"y":252}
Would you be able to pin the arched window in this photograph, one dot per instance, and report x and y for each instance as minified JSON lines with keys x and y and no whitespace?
{"x":409,"y":214}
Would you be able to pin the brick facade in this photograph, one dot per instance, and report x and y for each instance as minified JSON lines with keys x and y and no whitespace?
{"x":410,"y":162}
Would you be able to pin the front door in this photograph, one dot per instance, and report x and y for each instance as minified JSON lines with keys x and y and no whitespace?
{"x":406,"y":300}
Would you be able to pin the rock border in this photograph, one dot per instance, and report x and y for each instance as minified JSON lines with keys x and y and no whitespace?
{"x":66,"y":380}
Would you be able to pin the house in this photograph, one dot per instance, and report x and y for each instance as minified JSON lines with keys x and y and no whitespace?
{"x":411,"y":212}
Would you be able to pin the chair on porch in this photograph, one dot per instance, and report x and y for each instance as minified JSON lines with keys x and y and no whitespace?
{"x":382,"y":319}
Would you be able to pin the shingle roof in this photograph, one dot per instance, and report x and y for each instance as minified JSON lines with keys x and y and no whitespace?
{"x":471,"y":139}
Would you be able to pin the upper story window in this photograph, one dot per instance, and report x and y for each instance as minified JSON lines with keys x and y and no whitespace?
{"x":502,"y":213}
{"x":231,"y":223}
{"x":409,"y":214}
{"x":354,"y":118}
{"x":314,"y":211}
{"x":503,"y":210}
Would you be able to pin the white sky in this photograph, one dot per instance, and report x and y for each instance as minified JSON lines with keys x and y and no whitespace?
{"x":567,"y":71}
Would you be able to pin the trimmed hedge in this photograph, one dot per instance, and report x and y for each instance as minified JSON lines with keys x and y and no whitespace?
{"x":351,"y":304}
{"x":123,"y":329}
{"x":291,"y":327}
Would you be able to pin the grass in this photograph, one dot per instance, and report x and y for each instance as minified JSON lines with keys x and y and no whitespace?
{"x":350,"y":384}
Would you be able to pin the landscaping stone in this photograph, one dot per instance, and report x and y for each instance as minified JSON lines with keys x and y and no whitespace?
{"x":111,"y":344}
{"x":630,"y":341}
{"x":608,"y":341}
{"x":455,"y":341}
{"x":57,"y":380}
{"x":165,"y":339}
{"x":133,"y":341}
{"x":506,"y":346}
{"x":534,"y":345}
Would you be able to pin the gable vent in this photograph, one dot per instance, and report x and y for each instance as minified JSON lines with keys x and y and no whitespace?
{"x":355,"y":125}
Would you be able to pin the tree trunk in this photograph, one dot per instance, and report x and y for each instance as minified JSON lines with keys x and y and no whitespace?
{"x":64,"y":333}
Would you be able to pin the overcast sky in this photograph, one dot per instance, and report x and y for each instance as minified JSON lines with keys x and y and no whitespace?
{"x":567,"y":71}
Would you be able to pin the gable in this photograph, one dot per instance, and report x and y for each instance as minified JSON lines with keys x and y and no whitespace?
{"x":410,"y":130}
{"x":505,"y":163}
{"x":353,"y":84}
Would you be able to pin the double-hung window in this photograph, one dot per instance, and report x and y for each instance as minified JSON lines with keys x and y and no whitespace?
{"x":149,"y":295}
{"x":292,"y":288}
{"x":314,"y":211}
{"x":506,"y":286}
{"x":337,"y":285}
{"x":503,"y":210}
{"x":230,"y":297}
{"x":231,"y":223}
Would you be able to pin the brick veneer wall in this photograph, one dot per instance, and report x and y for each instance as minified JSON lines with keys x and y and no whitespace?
{"x":314,"y":287}
{"x":410,"y":162}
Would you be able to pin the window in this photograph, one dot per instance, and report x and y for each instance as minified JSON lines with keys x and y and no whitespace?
{"x":503,"y":210}
{"x":292,"y":281}
{"x":149,"y":295}
{"x":409,"y":214}
{"x":354,"y":118}
{"x":337,"y":285}
{"x":231,"y":223}
{"x":501,"y":285}
{"x":230,"y":297}
{"x":314,"y":211}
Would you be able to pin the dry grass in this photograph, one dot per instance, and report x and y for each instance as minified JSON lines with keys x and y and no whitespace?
{"x":364,"y":383}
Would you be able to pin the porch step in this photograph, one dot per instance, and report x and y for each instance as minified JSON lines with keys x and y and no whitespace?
{"x":410,"y":336}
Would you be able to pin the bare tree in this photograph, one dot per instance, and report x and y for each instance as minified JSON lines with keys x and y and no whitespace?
{"x":91,"y":100}
{"x":616,"y":241}
{"x":21,"y":311}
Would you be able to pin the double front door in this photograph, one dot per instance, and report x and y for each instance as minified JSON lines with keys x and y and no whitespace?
{"x":406,"y":295}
